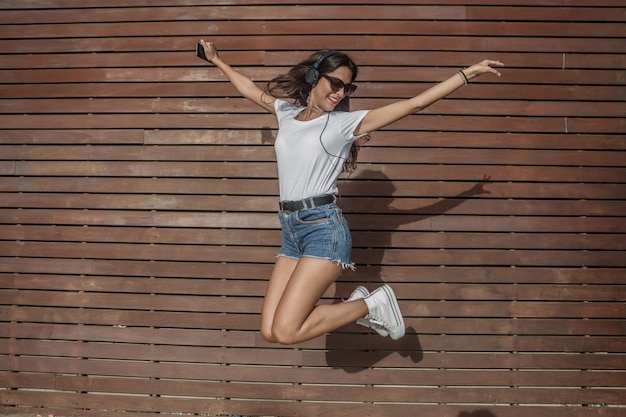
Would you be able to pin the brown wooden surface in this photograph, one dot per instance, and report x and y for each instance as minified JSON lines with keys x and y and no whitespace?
{"x":138,"y":196}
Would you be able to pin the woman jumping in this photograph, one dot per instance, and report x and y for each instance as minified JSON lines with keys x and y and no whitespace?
{"x":317,"y":140}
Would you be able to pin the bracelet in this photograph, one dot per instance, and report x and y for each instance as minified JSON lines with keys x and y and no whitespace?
{"x":463,"y":77}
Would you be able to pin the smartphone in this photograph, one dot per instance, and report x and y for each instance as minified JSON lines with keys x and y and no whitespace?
{"x":200,"y":52}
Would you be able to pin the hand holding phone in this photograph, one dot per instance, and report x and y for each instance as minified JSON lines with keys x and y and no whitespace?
{"x":200,"y":52}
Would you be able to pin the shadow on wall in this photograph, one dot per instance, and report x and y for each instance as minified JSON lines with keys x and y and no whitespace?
{"x":362,"y":185}
{"x":372,"y":348}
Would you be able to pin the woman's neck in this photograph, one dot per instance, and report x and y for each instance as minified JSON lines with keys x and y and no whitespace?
{"x":312,"y":111}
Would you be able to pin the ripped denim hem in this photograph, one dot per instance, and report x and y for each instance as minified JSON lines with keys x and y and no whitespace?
{"x":344,"y":265}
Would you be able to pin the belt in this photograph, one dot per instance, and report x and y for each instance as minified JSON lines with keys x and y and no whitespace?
{"x":307,"y":203}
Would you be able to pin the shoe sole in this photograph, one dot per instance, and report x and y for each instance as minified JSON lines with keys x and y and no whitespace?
{"x":397,"y":314}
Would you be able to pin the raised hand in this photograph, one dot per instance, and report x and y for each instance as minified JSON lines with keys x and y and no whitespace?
{"x":209,"y":49}
{"x":483,"y":67}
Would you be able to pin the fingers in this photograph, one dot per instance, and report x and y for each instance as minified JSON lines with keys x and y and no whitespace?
{"x":493,"y":71}
{"x":488,"y":66}
{"x":209,"y":49}
{"x":493,"y":63}
{"x":206,"y":45}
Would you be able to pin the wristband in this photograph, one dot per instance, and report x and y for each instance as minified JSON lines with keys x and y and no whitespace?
{"x":463,"y":77}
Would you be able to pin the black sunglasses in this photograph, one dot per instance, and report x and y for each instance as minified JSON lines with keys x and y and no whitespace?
{"x":336,"y":84}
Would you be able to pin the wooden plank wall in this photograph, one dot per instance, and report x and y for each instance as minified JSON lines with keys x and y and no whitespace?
{"x":138,"y":198}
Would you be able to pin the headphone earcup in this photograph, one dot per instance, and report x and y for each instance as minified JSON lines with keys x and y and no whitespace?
{"x":312,"y":75}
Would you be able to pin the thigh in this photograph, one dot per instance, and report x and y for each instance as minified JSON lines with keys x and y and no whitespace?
{"x":283,"y":268}
{"x":308,"y":282}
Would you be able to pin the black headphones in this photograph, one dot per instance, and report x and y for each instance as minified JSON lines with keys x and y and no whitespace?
{"x":312,"y":75}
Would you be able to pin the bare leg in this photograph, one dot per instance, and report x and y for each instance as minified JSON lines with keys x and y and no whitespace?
{"x":290,"y":314}
{"x":283,"y":268}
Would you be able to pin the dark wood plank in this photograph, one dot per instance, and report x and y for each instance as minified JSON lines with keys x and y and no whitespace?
{"x":354,"y":25}
{"x":304,"y":375}
{"x":416,"y":123}
{"x":123,"y":158}
{"x":280,"y":356}
{"x":226,"y":389}
{"x":390,"y":273}
{"x":248,"y":322}
{"x":263,"y":74}
{"x":136,"y":268}
{"x":425,"y":207}
{"x":361,"y":239}
{"x":216,"y":304}
{"x":208,"y":186}
{"x":405,"y":192}
{"x":61,"y":4}
{"x":165,"y":106}
{"x":367,"y":88}
{"x":307,"y":408}
{"x":232,"y":287}
{"x":342,"y":41}
{"x":196,"y":253}
{"x":368,"y":222}
{"x":245,"y":12}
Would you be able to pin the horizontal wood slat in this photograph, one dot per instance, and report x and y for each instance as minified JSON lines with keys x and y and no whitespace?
{"x":242,"y":321}
{"x":482,"y":257}
{"x":46,"y":4}
{"x":260,"y":271}
{"x":607,"y":382}
{"x":244,"y":137}
{"x":240,"y":390}
{"x":502,"y":224}
{"x":424,"y":75}
{"x":216,"y":338}
{"x":138,"y":200}
{"x":334,"y":12}
{"x":347,"y":42}
{"x":374,"y":239}
{"x":405,"y":26}
{"x":381,"y":59}
{"x":426,"y":291}
{"x":161,"y":106}
{"x":97,"y":91}
{"x":229,"y":406}
{"x":422,"y":123}
{"x":110,"y":155}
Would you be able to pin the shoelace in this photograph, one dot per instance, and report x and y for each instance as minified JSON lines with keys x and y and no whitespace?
{"x":371,"y":323}
{"x":379,"y":324}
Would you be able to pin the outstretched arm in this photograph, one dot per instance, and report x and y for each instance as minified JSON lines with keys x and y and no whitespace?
{"x":383,"y":116}
{"x":243,"y":84}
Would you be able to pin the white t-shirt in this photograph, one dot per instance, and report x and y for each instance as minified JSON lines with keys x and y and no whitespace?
{"x":310,"y":154}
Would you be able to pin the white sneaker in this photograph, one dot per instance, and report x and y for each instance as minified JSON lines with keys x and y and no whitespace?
{"x":384,"y":311}
{"x":359,"y":293}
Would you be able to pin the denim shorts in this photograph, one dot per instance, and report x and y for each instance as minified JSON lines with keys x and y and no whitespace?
{"x":319,"y":232}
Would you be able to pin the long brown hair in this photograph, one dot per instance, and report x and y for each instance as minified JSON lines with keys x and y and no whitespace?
{"x":293,"y":87}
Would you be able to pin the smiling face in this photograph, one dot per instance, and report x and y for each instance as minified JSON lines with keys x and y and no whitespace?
{"x":323,"y":96}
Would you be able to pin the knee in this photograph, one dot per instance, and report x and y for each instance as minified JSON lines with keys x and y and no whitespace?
{"x":282,"y":334}
{"x":277,"y":337}
{"x":277,"y":334}
{"x":267,"y":335}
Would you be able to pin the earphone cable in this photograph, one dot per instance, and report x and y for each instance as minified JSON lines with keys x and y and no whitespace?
{"x":322,"y":142}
